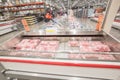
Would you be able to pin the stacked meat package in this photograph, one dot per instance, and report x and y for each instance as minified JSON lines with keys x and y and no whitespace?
{"x":37,"y":45}
{"x":39,"y":48}
{"x":48,"y":46}
{"x":93,"y":46}
{"x":43,"y":48}
{"x":27,"y":44}
{"x":90,"y":46}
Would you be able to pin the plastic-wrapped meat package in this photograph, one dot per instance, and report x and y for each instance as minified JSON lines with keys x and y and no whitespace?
{"x":94,"y":43}
{"x":86,"y":49}
{"x":45,"y":48}
{"x":93,"y":46}
{"x":44,"y":43}
{"x":101,"y":48}
{"x":27,"y":44}
{"x":32,"y":54}
{"x":73,"y":43}
{"x":92,"y":56}
{"x":48,"y":46}
{"x":54,"y":43}
{"x":74,"y":56}
{"x":84,"y":43}
{"x":90,"y":43}
{"x":46,"y":55}
{"x":107,"y":57}
{"x":98,"y":56}
{"x":41,"y":55}
{"x":18,"y":53}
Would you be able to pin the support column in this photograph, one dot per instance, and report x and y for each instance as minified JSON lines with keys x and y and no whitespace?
{"x":2,"y":77}
{"x":111,"y":13}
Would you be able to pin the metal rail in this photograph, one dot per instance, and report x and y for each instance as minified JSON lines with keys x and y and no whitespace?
{"x":45,"y":76}
{"x":2,"y":69}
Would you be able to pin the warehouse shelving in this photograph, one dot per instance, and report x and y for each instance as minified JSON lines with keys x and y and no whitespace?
{"x":31,"y":20}
{"x":20,"y":8}
{"x":21,"y":5}
{"x":16,"y":8}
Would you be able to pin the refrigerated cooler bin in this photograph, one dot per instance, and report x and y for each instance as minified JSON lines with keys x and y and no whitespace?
{"x":62,"y":56}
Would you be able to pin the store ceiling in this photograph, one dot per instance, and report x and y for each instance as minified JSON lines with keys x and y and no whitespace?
{"x":65,"y":4}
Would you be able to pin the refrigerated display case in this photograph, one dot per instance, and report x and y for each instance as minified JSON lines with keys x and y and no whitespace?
{"x":7,"y":26}
{"x":72,"y":52}
{"x":92,"y":56}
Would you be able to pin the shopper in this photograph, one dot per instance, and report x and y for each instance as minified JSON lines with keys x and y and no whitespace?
{"x":48,"y":17}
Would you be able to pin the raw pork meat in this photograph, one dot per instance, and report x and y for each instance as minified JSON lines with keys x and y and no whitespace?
{"x":73,"y":43}
{"x":93,"y":46}
{"x":27,"y":44}
{"x":48,"y":46}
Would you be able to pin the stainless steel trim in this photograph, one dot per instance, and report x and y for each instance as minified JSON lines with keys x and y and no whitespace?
{"x":2,"y":69}
{"x":46,"y":76}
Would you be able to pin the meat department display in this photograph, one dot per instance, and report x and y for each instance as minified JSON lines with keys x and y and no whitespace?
{"x":35,"y":45}
{"x":27,"y":44}
{"x":48,"y":46}
{"x":90,"y":46}
{"x":40,"y":45}
{"x":93,"y":46}
{"x":53,"y":47}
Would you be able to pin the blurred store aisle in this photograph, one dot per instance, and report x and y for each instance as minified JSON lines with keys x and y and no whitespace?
{"x":86,"y":22}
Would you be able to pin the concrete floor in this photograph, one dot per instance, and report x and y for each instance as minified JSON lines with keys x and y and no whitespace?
{"x":3,"y":38}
